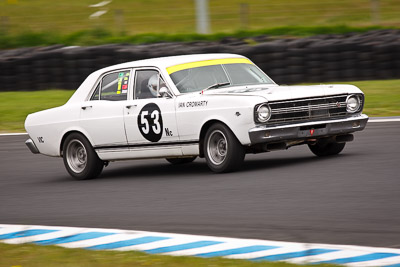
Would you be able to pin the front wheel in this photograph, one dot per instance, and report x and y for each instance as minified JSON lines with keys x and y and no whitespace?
{"x":323,"y":148}
{"x":222,"y":150}
{"x":80,"y":159}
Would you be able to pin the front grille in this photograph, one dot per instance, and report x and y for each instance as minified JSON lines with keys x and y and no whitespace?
{"x":300,"y":110}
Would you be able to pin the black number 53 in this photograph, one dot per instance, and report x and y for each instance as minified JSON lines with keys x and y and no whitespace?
{"x":150,"y":122}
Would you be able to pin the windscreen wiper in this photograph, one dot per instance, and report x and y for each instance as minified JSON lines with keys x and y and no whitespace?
{"x":216,"y":85}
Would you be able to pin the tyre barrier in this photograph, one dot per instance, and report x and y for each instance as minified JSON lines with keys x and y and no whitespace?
{"x":288,"y":60}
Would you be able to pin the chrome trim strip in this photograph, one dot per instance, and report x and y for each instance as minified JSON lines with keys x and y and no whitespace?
{"x":306,"y":99}
{"x":149,"y":145}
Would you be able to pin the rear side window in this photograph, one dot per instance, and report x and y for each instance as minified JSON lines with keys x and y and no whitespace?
{"x":114,"y":87}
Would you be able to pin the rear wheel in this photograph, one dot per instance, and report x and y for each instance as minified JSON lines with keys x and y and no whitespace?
{"x":323,"y":148}
{"x":222,"y":150}
{"x":80,"y":159}
{"x":176,"y":161}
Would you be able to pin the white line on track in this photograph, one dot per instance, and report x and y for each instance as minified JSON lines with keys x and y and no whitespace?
{"x":384,"y":120}
{"x":11,"y":134}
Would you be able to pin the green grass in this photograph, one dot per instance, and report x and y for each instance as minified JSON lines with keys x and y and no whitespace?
{"x":382,"y":99}
{"x":143,"y":16}
{"x":15,"y":106}
{"x":45,"y":22}
{"x":36,"y":255}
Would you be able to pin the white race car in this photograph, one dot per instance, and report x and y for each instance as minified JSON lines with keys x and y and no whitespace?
{"x":216,"y":106}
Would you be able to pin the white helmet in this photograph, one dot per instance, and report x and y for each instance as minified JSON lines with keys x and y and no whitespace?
{"x":153,"y":84}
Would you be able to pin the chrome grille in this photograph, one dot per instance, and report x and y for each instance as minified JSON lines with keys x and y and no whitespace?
{"x":299,"y":110}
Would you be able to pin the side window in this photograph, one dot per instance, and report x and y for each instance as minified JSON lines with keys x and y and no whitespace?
{"x":114,"y":86}
{"x":146,"y":84}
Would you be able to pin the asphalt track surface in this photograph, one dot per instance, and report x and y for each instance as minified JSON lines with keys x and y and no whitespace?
{"x":352,"y":198}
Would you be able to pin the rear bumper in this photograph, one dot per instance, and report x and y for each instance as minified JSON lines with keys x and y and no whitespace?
{"x":307,"y":130}
{"x":32,"y":147}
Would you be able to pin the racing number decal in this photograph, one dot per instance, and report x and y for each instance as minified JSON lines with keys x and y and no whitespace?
{"x":150,"y":122}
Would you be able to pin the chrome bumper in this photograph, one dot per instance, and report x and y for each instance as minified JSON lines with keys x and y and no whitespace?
{"x":307,"y":130}
{"x":32,"y":147}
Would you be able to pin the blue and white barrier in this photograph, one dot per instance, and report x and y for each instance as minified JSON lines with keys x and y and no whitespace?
{"x":199,"y":246}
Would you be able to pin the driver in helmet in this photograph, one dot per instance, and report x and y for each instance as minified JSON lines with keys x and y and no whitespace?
{"x":153,"y":85}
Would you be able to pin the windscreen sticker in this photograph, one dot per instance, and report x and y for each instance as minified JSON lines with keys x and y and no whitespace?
{"x":203,"y":63}
{"x":119,"y":83}
{"x":123,"y":78}
{"x":150,"y":122}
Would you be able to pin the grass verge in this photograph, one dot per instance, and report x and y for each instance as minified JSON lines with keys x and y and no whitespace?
{"x":36,"y":255}
{"x":382,"y":99}
{"x":15,"y":106}
{"x":179,"y":16}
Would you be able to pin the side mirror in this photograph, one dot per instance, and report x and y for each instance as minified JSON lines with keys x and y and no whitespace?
{"x":164,"y":92}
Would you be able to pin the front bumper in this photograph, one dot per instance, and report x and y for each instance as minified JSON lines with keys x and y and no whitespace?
{"x":32,"y":147}
{"x":307,"y":130}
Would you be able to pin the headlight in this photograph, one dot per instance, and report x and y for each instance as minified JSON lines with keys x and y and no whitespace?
{"x":353,"y":103}
{"x":263,"y":113}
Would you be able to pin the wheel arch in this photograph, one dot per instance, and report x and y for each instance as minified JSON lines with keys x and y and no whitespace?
{"x":66,"y":134}
{"x":203,"y":132}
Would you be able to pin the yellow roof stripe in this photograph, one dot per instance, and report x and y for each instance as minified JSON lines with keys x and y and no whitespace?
{"x":196,"y":64}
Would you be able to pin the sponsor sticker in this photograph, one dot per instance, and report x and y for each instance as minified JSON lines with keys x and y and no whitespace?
{"x":193,"y":104}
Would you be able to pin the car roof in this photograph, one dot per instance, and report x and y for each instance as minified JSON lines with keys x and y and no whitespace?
{"x":165,"y":62}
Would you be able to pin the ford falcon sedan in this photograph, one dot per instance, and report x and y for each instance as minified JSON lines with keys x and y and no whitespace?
{"x":214,"y":106}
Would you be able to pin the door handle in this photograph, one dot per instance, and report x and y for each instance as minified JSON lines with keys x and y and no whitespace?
{"x":131,"y":106}
{"x":85,"y":107}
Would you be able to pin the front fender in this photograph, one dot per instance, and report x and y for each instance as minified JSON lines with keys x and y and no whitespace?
{"x":234,"y":111}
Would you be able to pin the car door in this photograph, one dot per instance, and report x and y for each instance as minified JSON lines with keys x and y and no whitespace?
{"x":102,"y":116}
{"x":150,"y":120}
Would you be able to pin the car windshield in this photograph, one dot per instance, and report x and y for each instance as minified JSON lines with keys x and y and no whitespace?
{"x":194,"y":79}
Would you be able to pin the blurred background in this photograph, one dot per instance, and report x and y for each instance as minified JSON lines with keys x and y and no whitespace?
{"x":49,"y":45}
{"x":158,"y":16}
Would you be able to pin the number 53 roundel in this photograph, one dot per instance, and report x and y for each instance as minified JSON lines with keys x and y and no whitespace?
{"x":150,"y":122}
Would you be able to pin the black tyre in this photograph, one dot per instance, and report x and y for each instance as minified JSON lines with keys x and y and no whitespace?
{"x":222,"y":150}
{"x":323,"y":148}
{"x":177,"y":161}
{"x":80,"y":159}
